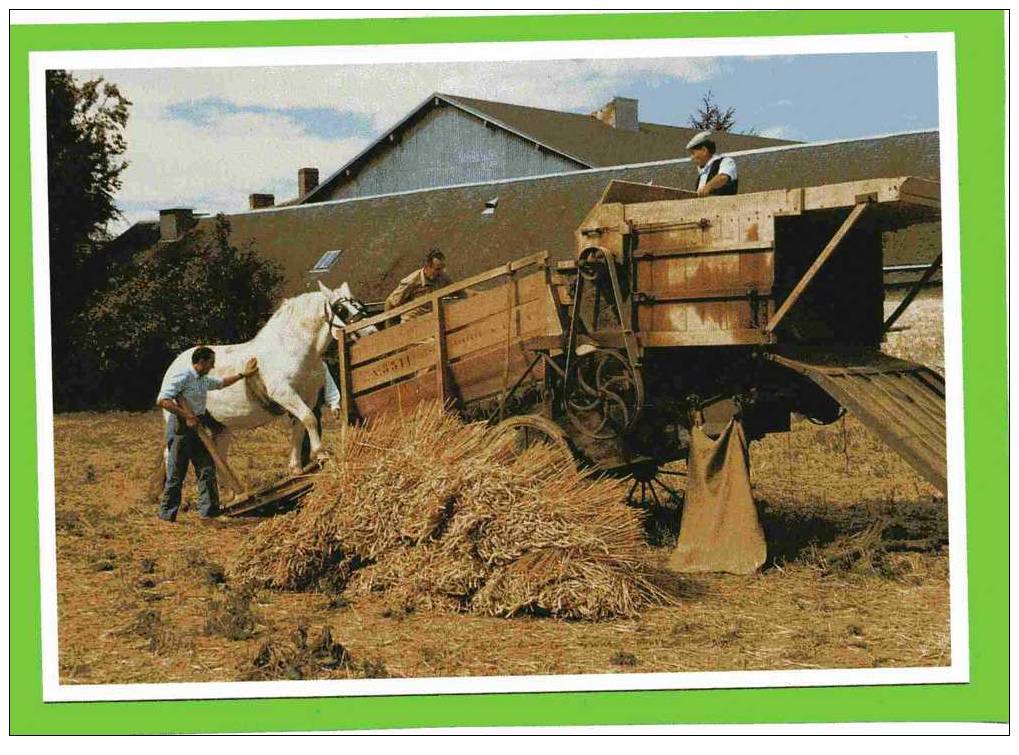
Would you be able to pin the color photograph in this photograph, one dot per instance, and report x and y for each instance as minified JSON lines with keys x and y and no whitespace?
{"x":687,"y":328}
{"x":379,"y":370}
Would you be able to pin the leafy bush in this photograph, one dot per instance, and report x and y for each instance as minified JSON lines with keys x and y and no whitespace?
{"x":200,"y":289}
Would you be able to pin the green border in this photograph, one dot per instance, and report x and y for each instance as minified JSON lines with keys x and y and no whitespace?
{"x":980,"y":38}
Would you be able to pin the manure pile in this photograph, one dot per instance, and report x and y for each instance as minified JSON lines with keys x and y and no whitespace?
{"x":435,"y":513}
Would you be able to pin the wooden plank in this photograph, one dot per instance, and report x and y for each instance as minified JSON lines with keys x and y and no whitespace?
{"x":476,"y":378}
{"x":707,"y":314}
{"x":714,"y":337}
{"x":813,"y":270}
{"x":458,"y":314}
{"x":343,"y":352}
{"x":735,"y":217}
{"x":453,"y":288}
{"x":665,"y":252}
{"x":393,"y":338}
{"x":832,"y":196}
{"x":480,"y":305}
{"x":678,"y":296}
{"x":914,"y":187}
{"x":532,"y":319}
{"x":481,"y":375}
{"x":511,"y":303}
{"x":440,"y":349}
{"x":401,"y":397}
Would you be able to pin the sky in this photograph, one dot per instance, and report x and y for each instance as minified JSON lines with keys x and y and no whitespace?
{"x":206,"y":138}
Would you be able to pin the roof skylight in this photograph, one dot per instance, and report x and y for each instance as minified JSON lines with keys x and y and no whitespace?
{"x":325,"y":262}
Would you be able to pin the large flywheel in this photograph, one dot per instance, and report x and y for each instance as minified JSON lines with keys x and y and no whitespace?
{"x":604,"y":394}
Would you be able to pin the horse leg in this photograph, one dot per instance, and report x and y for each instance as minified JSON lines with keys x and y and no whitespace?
{"x":297,"y":436}
{"x":222,"y":438}
{"x":289,"y":399}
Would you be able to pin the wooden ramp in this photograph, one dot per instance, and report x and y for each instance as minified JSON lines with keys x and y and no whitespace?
{"x":276,"y":497}
{"x":902,"y":402}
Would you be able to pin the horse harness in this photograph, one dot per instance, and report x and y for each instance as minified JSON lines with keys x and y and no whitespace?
{"x":257,"y":391}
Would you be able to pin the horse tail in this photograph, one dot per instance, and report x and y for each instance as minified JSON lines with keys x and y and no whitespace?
{"x":157,"y":479}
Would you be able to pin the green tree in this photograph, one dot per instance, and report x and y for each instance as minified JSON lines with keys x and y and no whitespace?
{"x":199,"y":289}
{"x":711,"y":117}
{"x":85,"y":145}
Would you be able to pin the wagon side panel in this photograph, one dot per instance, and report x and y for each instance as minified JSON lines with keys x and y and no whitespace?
{"x":483,"y":343}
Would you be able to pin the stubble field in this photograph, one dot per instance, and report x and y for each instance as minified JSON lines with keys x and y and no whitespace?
{"x":857,"y":575}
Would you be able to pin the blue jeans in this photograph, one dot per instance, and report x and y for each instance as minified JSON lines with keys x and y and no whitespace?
{"x":185,"y":447}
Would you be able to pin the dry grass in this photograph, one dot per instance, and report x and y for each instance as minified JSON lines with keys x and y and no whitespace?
{"x":817,"y":605}
{"x":431,"y":511}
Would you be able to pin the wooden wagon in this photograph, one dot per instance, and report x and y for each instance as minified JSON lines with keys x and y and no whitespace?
{"x":675,"y":307}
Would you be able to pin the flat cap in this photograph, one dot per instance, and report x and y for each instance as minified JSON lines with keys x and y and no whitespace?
{"x":698,"y":140}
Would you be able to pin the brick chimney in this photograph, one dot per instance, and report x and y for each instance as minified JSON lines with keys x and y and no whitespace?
{"x":259,"y":201}
{"x":307,"y":180}
{"x":620,"y":113}
{"x":174,"y":222}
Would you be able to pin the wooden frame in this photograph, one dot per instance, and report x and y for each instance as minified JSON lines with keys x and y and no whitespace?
{"x":825,"y":255}
{"x":475,"y":346}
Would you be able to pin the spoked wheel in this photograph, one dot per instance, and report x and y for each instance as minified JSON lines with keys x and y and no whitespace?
{"x":604,"y":394}
{"x":652,"y":485}
{"x":530,"y":430}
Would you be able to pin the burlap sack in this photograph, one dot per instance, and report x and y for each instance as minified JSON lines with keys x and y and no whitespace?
{"x":720,"y":531}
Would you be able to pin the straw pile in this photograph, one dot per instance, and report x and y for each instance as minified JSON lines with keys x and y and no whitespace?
{"x":435,"y":513}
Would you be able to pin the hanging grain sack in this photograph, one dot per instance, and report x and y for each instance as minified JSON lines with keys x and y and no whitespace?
{"x":719,"y":531}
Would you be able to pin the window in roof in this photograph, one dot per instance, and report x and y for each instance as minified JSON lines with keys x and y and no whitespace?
{"x":490,"y":206}
{"x":325,"y":262}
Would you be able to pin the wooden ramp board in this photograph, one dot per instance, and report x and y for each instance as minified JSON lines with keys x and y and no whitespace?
{"x":280,"y":495}
{"x":902,"y":402}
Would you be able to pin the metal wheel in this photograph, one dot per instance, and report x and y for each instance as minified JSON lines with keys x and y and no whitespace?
{"x":604,"y":395}
{"x":530,"y":430}
{"x":653,"y":485}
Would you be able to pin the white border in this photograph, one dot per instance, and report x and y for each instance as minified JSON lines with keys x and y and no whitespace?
{"x":941,"y":44}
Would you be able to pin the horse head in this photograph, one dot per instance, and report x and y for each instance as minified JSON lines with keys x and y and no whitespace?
{"x":341,"y":308}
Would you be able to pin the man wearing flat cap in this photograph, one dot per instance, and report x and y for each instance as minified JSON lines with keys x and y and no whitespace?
{"x":716,"y":174}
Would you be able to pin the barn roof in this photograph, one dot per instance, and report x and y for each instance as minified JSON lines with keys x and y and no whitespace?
{"x":382,"y":238}
{"x":598,"y":144}
{"x":581,"y":138}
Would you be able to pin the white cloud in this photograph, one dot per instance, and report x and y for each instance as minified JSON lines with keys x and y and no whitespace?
{"x":213,"y":167}
{"x":174,"y":163}
{"x":778,"y":132}
{"x":386,"y":92}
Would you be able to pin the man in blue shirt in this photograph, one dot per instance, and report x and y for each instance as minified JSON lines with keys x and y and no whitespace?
{"x":183,"y":394}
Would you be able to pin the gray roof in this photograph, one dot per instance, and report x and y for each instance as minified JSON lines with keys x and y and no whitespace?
{"x":382,"y":238}
{"x":583,"y":139}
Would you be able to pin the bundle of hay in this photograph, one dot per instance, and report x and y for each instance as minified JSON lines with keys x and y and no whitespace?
{"x":436,"y":513}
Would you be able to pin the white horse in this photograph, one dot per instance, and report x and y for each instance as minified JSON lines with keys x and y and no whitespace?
{"x":289,"y":350}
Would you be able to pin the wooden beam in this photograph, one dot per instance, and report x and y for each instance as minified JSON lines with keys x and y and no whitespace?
{"x":440,"y":349}
{"x":511,"y":316}
{"x":908,"y":298}
{"x":453,"y":288}
{"x":815,"y":268}
{"x":344,"y":362}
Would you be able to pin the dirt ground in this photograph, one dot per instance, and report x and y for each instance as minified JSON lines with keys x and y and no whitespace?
{"x":144,"y":601}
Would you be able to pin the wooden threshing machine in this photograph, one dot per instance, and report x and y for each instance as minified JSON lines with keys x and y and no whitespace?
{"x":675,"y":309}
